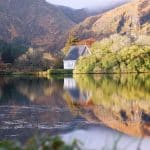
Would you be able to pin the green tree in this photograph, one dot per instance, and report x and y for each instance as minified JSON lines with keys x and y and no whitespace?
{"x":10,"y":51}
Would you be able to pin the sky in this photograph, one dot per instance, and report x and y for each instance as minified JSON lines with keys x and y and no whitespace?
{"x":85,"y":3}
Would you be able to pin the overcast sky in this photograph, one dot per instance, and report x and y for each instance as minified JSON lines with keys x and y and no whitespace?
{"x":85,"y":3}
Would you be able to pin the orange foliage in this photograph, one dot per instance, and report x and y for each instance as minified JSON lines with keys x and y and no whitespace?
{"x":87,"y":42}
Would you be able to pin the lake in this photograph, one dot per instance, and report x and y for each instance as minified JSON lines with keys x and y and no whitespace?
{"x":101,"y":111}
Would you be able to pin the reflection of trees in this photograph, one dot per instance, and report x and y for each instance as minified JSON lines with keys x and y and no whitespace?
{"x":18,"y":90}
{"x":117,"y":91}
{"x":134,"y":124}
{"x":33,"y":103}
{"x":120,"y":102}
{"x":37,"y":88}
{"x":9,"y":92}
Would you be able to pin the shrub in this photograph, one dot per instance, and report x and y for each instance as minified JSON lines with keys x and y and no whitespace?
{"x":43,"y":143}
{"x":106,"y":58}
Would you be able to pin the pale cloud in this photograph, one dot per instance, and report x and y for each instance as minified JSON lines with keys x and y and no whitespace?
{"x":86,"y":3}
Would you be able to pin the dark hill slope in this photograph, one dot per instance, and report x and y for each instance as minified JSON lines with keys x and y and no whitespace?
{"x":37,"y":22}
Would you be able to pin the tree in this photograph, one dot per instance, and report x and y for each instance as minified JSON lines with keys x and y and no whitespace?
{"x":72,"y":40}
{"x":10,"y":51}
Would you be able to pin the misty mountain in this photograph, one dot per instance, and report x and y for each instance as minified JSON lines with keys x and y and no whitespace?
{"x":39,"y":23}
{"x":78,"y":15}
{"x":129,"y":19}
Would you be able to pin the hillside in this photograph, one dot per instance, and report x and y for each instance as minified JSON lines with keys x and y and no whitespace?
{"x":37,"y":22}
{"x":122,"y":40}
{"x":132,"y":18}
{"x":36,"y":30}
{"x":79,"y":15}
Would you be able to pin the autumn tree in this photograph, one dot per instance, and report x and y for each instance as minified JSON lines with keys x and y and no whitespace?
{"x":72,"y":40}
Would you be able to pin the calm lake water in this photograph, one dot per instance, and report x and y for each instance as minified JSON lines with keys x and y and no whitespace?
{"x":97,"y":110}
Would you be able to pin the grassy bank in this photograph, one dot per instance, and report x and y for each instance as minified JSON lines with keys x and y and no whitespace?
{"x":22,"y":73}
{"x":50,"y":74}
{"x":59,"y":71}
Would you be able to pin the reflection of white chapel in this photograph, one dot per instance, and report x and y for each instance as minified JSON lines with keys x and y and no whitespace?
{"x":75,"y":92}
{"x":69,"y":83}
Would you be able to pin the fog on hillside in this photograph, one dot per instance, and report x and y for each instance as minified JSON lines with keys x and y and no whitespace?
{"x":92,"y":4}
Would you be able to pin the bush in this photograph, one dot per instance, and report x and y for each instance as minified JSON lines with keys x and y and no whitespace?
{"x":43,"y":143}
{"x":106,"y":58}
{"x":10,"y":51}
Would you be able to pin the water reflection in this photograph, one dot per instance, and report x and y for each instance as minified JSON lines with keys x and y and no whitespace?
{"x":119,"y":102}
{"x":30,"y":104}
{"x":101,"y":138}
{"x":75,"y":92}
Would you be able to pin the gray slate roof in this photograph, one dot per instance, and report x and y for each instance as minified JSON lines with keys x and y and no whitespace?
{"x":75,"y":52}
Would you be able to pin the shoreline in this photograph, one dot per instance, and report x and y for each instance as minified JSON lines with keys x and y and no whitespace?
{"x":57,"y":72}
